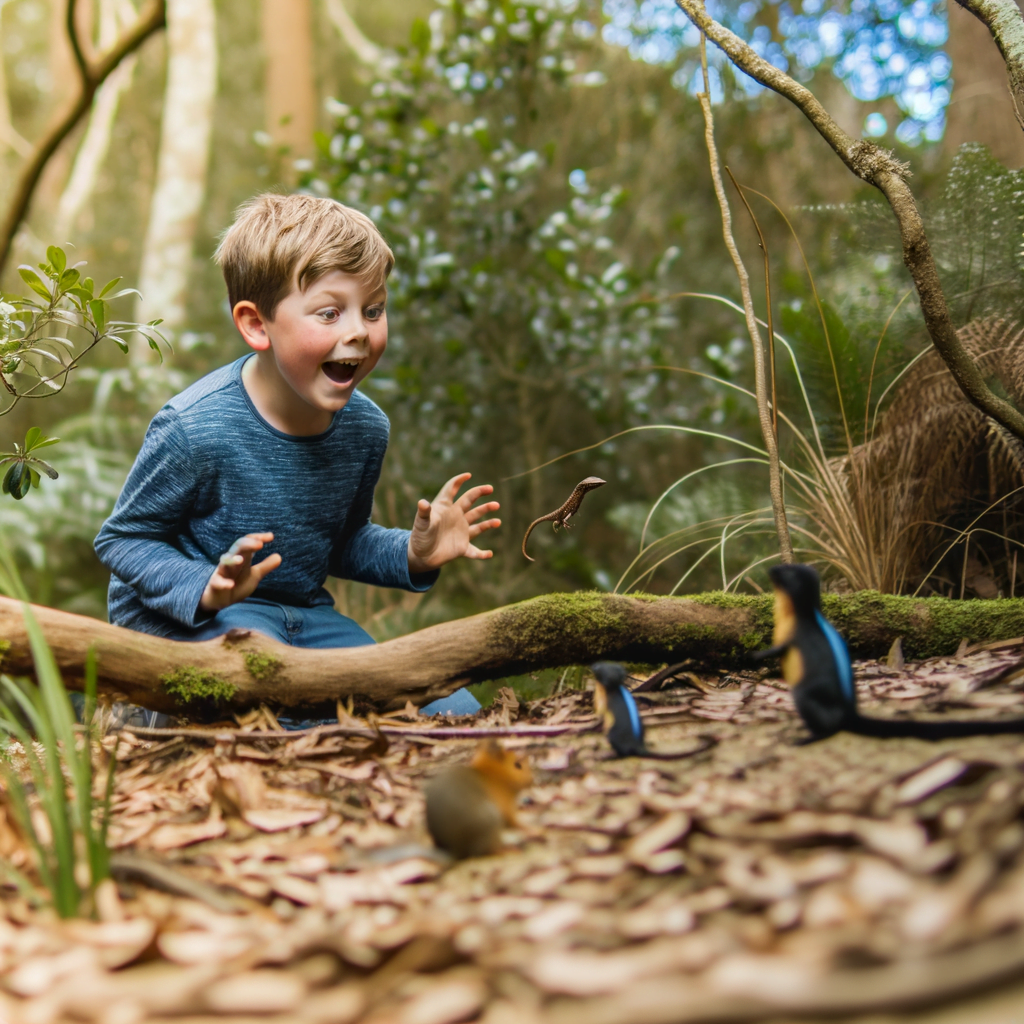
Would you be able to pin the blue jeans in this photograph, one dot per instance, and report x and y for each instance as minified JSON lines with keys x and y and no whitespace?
{"x":320,"y":626}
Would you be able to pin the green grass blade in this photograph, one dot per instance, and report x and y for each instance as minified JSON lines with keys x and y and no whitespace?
{"x":11,"y":584}
{"x":58,"y":733}
{"x":103,"y":850}
{"x":23,"y":818}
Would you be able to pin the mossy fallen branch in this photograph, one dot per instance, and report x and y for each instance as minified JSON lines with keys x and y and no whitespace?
{"x":545,"y":632}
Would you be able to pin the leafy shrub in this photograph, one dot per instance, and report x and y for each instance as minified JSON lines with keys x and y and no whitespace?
{"x":43,"y":339}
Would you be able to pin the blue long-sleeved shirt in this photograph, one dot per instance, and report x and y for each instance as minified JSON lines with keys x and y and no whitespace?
{"x":211,"y":470}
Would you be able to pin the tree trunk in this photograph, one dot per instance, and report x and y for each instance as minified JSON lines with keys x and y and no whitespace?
{"x":980,"y":109}
{"x":181,"y":166}
{"x":547,"y":632}
{"x":289,"y":89}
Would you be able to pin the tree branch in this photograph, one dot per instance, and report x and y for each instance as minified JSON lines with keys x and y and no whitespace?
{"x":92,"y":73}
{"x":879,"y":168}
{"x":71,"y":27}
{"x":367,"y":52}
{"x":546,"y":632}
{"x":769,"y":432}
{"x":1004,"y":21}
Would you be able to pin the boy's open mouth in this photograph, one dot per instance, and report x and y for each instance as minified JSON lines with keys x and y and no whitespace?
{"x":342,"y":371}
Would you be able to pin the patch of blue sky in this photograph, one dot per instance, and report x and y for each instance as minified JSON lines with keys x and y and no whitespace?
{"x":877,"y":48}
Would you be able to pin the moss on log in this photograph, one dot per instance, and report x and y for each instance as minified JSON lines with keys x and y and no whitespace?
{"x":545,"y":632}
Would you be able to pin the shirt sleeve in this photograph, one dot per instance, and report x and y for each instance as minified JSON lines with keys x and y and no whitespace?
{"x":135,"y":542}
{"x":373,"y":554}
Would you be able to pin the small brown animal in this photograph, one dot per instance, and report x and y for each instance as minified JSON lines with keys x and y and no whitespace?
{"x":562,"y":514}
{"x":468,"y":806}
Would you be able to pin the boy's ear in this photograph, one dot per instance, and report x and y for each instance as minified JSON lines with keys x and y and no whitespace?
{"x":251,"y":325}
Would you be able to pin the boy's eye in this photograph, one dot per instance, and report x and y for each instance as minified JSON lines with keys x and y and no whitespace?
{"x":329,"y":314}
{"x":374,"y":312}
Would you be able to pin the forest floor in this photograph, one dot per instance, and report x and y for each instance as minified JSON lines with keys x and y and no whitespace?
{"x":290,"y":879}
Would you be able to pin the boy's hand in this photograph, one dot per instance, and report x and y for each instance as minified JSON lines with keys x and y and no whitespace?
{"x":445,"y":528}
{"x":235,"y":578}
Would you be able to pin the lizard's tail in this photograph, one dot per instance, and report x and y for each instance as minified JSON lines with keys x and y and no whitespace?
{"x":529,"y":530}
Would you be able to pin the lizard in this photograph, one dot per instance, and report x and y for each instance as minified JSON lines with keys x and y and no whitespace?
{"x":562,"y":514}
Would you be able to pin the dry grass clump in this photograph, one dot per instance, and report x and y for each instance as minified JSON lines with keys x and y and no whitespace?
{"x":929,"y":503}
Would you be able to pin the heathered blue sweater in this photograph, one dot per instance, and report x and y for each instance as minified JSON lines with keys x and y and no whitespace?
{"x":211,"y":470}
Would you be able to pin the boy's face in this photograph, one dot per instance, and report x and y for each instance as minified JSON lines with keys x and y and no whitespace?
{"x":324,"y":341}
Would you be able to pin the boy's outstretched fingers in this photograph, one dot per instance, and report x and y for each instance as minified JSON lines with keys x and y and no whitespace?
{"x":235,"y":577}
{"x":446,"y":527}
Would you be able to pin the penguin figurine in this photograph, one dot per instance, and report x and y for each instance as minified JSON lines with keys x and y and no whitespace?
{"x":816,"y":664}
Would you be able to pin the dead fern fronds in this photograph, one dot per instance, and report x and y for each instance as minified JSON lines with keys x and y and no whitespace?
{"x":934,"y":463}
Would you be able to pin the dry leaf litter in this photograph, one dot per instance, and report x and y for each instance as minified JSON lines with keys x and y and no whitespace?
{"x":290,"y":878}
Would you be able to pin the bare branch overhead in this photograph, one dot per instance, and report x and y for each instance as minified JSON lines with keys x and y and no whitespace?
{"x":366,"y":51}
{"x":879,"y":168}
{"x":1004,"y":21}
{"x":92,"y":73}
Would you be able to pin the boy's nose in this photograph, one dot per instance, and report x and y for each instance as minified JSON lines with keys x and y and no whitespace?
{"x":355,"y":330}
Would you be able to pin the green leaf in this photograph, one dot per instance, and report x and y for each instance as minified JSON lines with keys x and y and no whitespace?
{"x":31,"y":436}
{"x":57,"y":259}
{"x":46,"y":468}
{"x":20,"y":487}
{"x":45,"y":442}
{"x":85,"y":294}
{"x":35,"y":282}
{"x":68,"y":279}
{"x":98,"y":308}
{"x":109,"y":287}
{"x":556,"y":258}
{"x":419,"y":36}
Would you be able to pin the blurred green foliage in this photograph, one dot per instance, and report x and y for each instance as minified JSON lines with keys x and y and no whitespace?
{"x":518,"y":318}
{"x":548,"y":199}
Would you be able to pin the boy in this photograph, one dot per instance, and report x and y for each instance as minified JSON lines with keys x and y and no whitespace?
{"x":275,"y":457}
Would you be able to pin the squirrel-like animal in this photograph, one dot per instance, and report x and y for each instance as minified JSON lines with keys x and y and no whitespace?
{"x":468,"y":806}
{"x":817,"y":666}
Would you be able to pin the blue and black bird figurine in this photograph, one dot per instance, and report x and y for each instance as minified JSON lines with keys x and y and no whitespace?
{"x":622,"y":723}
{"x":816,"y":664}
{"x":616,"y":705}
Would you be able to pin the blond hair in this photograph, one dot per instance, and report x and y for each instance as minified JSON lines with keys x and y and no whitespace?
{"x":279,"y":240}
